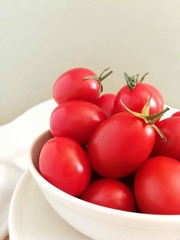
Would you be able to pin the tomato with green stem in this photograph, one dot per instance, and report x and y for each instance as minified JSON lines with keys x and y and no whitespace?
{"x":136,"y":93}
{"x":122,"y":143}
{"x":79,"y":84}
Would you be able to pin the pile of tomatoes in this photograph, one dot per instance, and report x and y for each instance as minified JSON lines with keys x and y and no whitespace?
{"x":113,"y":150}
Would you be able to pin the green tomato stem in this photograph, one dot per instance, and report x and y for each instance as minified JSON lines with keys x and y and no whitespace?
{"x":149,"y":119}
{"x":142,"y":79}
{"x":132,"y":81}
{"x":100,"y":78}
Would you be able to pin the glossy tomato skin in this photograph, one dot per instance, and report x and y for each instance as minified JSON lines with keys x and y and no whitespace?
{"x":71,"y":85}
{"x":136,"y":98}
{"x":157,"y":186}
{"x":170,"y":127}
{"x":110,"y":193}
{"x":64,"y":164}
{"x":176,"y":114}
{"x":106,"y":103}
{"x":77,"y":120}
{"x":120,"y":145}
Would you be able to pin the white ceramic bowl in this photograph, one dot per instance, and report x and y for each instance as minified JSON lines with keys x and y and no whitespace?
{"x":100,"y":223}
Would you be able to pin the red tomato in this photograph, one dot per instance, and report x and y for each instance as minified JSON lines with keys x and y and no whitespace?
{"x":76,"y":119}
{"x":78,"y":83}
{"x":120,"y":145}
{"x":136,"y":97}
{"x":157,"y":186}
{"x":176,"y":114}
{"x":170,"y":127}
{"x":63,"y":163}
{"x":106,"y":103}
{"x":110,"y":193}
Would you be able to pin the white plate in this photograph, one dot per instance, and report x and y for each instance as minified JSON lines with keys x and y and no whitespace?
{"x":32,"y":218}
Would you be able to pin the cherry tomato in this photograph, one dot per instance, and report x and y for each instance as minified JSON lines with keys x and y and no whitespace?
{"x":135,"y":96}
{"x":76,"y":119}
{"x":106,"y":103}
{"x":120,"y":145}
{"x":109,"y":193}
{"x":157,"y":186}
{"x":170,"y":127}
{"x":176,"y":114}
{"x":63,"y":163}
{"x":78,"y":84}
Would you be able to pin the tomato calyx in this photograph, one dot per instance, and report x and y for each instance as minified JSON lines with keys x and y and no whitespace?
{"x":149,"y":119}
{"x":133,"y":80}
{"x":100,"y":78}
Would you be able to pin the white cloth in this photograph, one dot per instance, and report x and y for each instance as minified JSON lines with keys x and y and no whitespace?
{"x":16,"y":138}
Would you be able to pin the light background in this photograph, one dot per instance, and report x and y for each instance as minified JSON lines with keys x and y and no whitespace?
{"x":39,"y":39}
